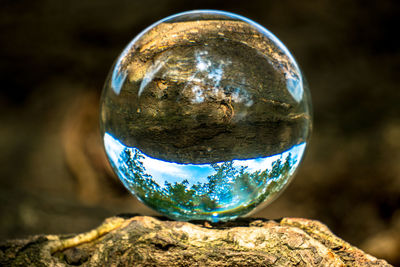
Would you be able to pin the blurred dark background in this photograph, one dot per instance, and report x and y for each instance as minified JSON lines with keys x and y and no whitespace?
{"x":54,"y":58}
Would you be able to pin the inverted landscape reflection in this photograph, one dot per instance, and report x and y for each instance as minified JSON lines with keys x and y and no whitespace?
{"x":217,"y":191}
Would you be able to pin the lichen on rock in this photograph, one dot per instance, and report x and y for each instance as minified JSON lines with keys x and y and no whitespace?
{"x":149,"y":241}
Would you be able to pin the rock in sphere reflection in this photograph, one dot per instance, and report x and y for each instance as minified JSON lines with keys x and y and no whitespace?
{"x":205,"y":115}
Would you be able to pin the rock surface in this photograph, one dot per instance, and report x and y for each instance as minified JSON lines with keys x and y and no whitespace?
{"x":206,"y":91}
{"x":148,"y":241}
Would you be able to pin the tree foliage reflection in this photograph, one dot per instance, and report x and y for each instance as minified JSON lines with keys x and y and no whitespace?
{"x":228,"y":184}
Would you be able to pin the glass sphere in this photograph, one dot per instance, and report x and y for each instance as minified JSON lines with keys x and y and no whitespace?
{"x":205,"y":116}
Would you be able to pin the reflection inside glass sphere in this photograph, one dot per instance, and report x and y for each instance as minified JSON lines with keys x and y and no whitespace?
{"x":205,"y":115}
{"x":202,"y":190}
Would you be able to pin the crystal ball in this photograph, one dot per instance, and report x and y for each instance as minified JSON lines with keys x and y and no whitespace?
{"x":205,"y":115}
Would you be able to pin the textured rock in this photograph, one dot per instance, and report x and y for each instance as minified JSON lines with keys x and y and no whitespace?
{"x":170,"y":109}
{"x":147,"y":241}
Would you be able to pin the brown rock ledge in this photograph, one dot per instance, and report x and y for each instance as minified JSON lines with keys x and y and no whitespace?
{"x":149,"y":241}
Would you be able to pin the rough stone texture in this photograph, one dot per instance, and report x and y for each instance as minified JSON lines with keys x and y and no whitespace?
{"x":147,"y":241}
{"x":170,"y":109}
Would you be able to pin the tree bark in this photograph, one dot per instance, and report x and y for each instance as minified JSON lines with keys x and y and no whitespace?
{"x":149,"y":241}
